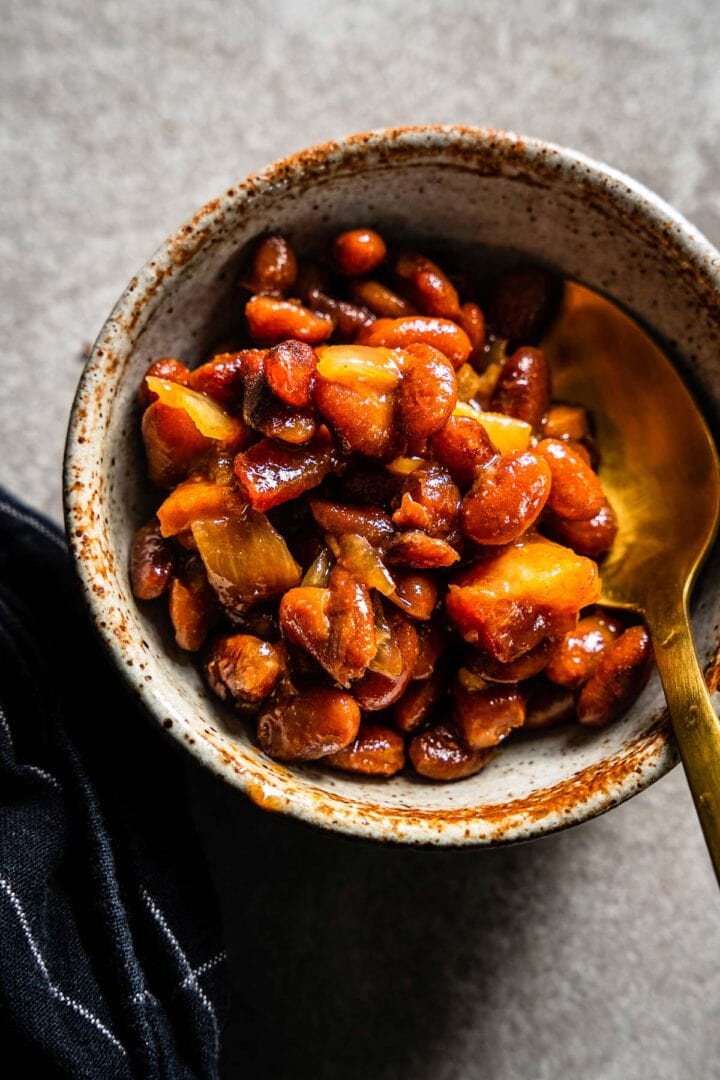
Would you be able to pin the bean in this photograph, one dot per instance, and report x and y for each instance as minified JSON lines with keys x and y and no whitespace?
{"x":380,"y":300}
{"x":191,"y":605}
{"x":442,"y":334}
{"x":376,"y":751}
{"x":485,"y":717}
{"x":438,"y":754}
{"x":506,"y":498}
{"x":222,"y":377}
{"x":569,"y":422}
{"x":173,"y":445}
{"x":430,"y":288}
{"x":274,"y":267}
{"x":290,"y":372}
{"x":341,"y":518}
{"x":270,"y":320}
{"x":524,"y":667}
{"x":432,"y":641}
{"x":375,"y":691}
{"x":622,"y":671}
{"x":419,"y":702}
{"x":347,"y":318}
{"x":523,"y":387}
{"x":266,"y":413}
{"x":151,"y":562}
{"x":472,"y":321}
{"x":360,"y":416}
{"x":416,"y":594}
{"x":548,"y":705}
{"x":576,"y":656}
{"x":358,"y":252}
{"x":575,"y":492}
{"x":427,"y":392}
{"x":243,"y":667}
{"x":166,"y":367}
{"x":311,"y":725}
{"x":590,"y":538}
{"x":429,"y":501}
{"x":269,"y":473}
{"x":463,"y":446}
{"x":521,"y":304}
{"x":417,"y":549}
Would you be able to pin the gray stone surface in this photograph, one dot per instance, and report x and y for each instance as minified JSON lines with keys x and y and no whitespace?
{"x":592,"y":954}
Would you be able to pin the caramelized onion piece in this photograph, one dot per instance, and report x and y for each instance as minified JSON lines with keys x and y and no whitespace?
{"x":209,"y":418}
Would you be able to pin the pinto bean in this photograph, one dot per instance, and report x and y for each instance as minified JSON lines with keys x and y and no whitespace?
{"x":376,"y":751}
{"x":439,"y":754}
{"x":274,"y":267}
{"x":429,"y":501}
{"x":270,"y":320}
{"x":472,"y":321}
{"x":567,"y":422}
{"x":506,"y":498}
{"x":429,"y":287}
{"x":266,"y":413}
{"x":521,"y":304}
{"x":427,"y":392}
{"x":621,"y":673}
{"x":575,"y":492}
{"x":416,"y":594}
{"x":523,"y":387}
{"x":290,"y":372}
{"x":592,"y":538}
{"x":243,"y":667}
{"x":524,"y":667}
{"x":191,"y":605}
{"x":166,"y":367}
{"x":576,"y":656}
{"x":375,"y":691}
{"x":308,"y":726}
{"x":360,"y":416}
{"x":432,"y":642}
{"x":463,"y":446}
{"x":442,"y":334}
{"x":419,"y":702}
{"x":222,"y":377}
{"x":151,"y":562}
{"x":417,"y":549}
{"x":358,"y":252}
{"x":486,"y":717}
{"x":380,"y":300}
{"x":341,"y":518}
{"x":347,"y":318}
{"x":548,"y":705}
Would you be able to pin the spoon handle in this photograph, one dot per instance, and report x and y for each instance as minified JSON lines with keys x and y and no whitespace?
{"x":696,"y":726}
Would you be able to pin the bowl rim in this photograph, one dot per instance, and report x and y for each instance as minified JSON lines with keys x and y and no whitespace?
{"x":583,"y":796}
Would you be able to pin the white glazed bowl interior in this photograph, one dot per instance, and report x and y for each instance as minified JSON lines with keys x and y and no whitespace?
{"x":489,"y":194}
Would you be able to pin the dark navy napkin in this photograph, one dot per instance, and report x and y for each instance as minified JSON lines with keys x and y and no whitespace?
{"x":111,"y":961}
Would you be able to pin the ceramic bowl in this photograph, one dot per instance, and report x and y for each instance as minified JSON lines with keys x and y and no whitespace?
{"x":491,"y":195}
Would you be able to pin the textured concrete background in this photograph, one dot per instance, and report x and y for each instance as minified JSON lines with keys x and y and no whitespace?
{"x":593,"y":954}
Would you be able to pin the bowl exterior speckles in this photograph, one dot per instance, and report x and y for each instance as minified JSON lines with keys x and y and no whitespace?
{"x":488,"y":194}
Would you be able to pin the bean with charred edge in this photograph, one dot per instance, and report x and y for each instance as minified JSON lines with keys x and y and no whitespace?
{"x":522,"y":303}
{"x":166,"y":367}
{"x":576,"y":656}
{"x":380,"y":300}
{"x":524,"y":667}
{"x":415,"y":594}
{"x":427,"y":392}
{"x":270,"y":320}
{"x":417,"y":549}
{"x":419,"y":702}
{"x":191,"y":605}
{"x":358,"y":252}
{"x":274,"y":267}
{"x":438,"y":754}
{"x":376,"y":751}
{"x":173,"y":444}
{"x":486,"y":717}
{"x":340,"y":518}
{"x":523,"y":387}
{"x":290,"y":372}
{"x":243,"y":667}
{"x":463,"y":446}
{"x":430,"y":501}
{"x":506,"y":498}
{"x":548,"y":705}
{"x":269,"y":473}
{"x":576,"y":492}
{"x":592,"y":538}
{"x":375,"y":691}
{"x":566,"y":422}
{"x":222,"y":377}
{"x":151,"y":562}
{"x":263,"y":411}
{"x":432,"y":642}
{"x":442,"y":334}
{"x":620,"y":675}
{"x":308,"y":726}
{"x":360,"y":416}
{"x":429,"y":287}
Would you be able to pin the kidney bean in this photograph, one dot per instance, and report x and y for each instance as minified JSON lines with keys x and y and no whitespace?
{"x":567,"y":422}
{"x":438,"y":754}
{"x":270,"y":320}
{"x":415,"y":594}
{"x":486,"y":717}
{"x":243,"y":667}
{"x":360,"y":416}
{"x":548,"y":705}
{"x":151,"y":562}
{"x":621,"y":673}
{"x":430,"y":501}
{"x":442,"y":334}
{"x":432,"y":642}
{"x":430,"y":288}
{"x":380,"y":300}
{"x":290,"y":372}
{"x":576,"y":492}
{"x":222,"y":377}
{"x":417,"y":549}
{"x":522,"y":303}
{"x":166,"y":367}
{"x":506,"y":498}
{"x":419,"y":702}
{"x":427,"y":392}
{"x":463,"y":446}
{"x":191,"y":605}
{"x":309,"y":725}
{"x":523,"y":387}
{"x":524,"y":667}
{"x":269,"y":473}
{"x":173,"y":445}
{"x":376,"y":751}
{"x":358,"y":252}
{"x":576,"y":656}
{"x":590,"y":538}
{"x":266,"y":413}
{"x":375,"y":691}
{"x":274,"y":267}
{"x":341,"y":518}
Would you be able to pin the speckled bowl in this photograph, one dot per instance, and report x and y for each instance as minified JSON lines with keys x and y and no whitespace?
{"x":487,"y":193}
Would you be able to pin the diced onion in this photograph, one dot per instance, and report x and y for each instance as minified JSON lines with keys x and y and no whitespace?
{"x":388,"y":659}
{"x":361,"y":559}
{"x":316,"y":575}
{"x":350,"y":364}
{"x":505,"y":432}
{"x":208,"y":417}
{"x":403,"y":466}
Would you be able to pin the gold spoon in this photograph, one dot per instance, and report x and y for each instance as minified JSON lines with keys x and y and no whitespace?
{"x":661,"y":472}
